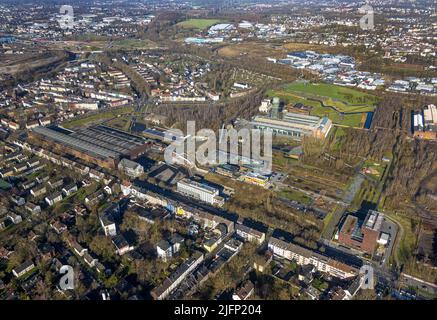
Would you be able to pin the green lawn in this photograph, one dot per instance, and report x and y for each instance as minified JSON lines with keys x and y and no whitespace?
{"x":296,"y":196}
{"x":332,"y":93}
{"x":343,"y":100}
{"x":198,"y":23}
{"x":374,"y":169}
{"x":99,"y":117}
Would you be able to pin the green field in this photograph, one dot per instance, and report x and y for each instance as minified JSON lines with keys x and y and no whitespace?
{"x":296,"y":196}
{"x":198,"y":23}
{"x":98,"y":117}
{"x":373,"y":169}
{"x":133,"y":44}
{"x":321,"y":97}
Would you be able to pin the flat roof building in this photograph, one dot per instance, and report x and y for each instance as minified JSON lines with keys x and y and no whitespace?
{"x":362,"y":234}
{"x":430,"y":117}
{"x":295,"y":125}
{"x":304,"y":256}
{"x":101,"y":145}
{"x":198,"y":191}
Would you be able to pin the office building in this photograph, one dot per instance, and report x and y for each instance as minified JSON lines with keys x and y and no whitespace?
{"x":199,"y":191}
{"x":361,"y":234}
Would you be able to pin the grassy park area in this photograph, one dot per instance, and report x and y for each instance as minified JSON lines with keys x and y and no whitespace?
{"x":133,"y":44}
{"x":373,"y":169}
{"x":344,"y":106}
{"x":198,"y":23}
{"x":98,"y":117}
{"x":296,"y":196}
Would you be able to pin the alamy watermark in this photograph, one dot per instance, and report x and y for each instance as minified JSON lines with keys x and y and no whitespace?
{"x":367,"y":277}
{"x":66,"y":19}
{"x":67,"y":280}
{"x":233,"y":147}
{"x":367,"y":22}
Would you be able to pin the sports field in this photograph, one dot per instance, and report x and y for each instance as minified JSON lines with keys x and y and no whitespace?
{"x":198,"y":23}
{"x":344,"y":106}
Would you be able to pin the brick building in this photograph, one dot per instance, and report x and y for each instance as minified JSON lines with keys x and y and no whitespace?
{"x":361,"y":234}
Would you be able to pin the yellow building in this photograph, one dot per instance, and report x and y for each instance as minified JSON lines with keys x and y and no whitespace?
{"x":256,"y":179}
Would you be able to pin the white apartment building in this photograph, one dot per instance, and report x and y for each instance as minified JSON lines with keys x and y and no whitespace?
{"x":303,"y":256}
{"x":199,"y":191}
{"x":249,"y":234}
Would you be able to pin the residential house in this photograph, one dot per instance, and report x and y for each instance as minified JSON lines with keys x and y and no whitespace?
{"x":249,"y":233}
{"x":164,"y":250}
{"x":53,"y":184}
{"x":312,"y":292}
{"x":18,"y":168}
{"x":125,"y":187}
{"x":89,"y":260}
{"x":15,"y":218}
{"x":244,"y":291}
{"x":38,"y":191}
{"x":121,"y":244}
{"x":261,"y":262}
{"x":69,"y":189}
{"x":19,"y":201}
{"x":78,"y":249}
{"x":176,"y":241}
{"x":96,"y":175}
{"x":306,"y":273}
{"x":353,"y":288}
{"x":108,"y":224}
{"x":28,"y":185}
{"x":79,"y":209}
{"x":169,"y":284}
{"x":94,"y":198}
{"x":53,"y":198}
{"x":5,"y":253}
{"x":6,"y":172}
{"x":131,"y":168}
{"x":32,"y":208}
{"x":23,"y":268}
{"x":33,"y":162}
{"x":58,"y":226}
{"x":212,"y":242}
{"x":42,"y":179}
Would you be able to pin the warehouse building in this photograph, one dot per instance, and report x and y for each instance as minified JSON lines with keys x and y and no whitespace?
{"x":295,"y":125}
{"x":424,"y":123}
{"x":417,"y":121}
{"x":101,"y":145}
{"x":430,"y":117}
